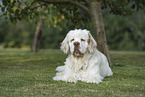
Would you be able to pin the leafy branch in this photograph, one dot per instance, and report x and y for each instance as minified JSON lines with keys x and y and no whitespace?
{"x":73,"y":2}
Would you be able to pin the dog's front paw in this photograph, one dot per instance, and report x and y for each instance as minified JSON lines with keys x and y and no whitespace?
{"x":94,"y":81}
{"x":71,"y":79}
{"x":97,"y":79}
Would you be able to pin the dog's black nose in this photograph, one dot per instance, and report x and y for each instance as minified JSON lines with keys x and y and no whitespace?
{"x":76,"y":43}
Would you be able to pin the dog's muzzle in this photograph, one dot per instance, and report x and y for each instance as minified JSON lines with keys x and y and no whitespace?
{"x":77,"y":52}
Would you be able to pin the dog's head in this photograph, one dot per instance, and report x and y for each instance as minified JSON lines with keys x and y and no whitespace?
{"x":79,"y":42}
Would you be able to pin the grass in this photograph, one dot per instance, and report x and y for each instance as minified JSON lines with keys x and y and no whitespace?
{"x":26,"y":74}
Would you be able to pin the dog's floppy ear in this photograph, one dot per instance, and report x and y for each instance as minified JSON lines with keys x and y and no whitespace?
{"x":92,"y":43}
{"x":64,"y":45}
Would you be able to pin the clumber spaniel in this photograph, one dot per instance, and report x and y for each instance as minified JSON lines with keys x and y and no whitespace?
{"x":84,"y":62}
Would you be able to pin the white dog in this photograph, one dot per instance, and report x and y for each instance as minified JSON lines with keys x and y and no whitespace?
{"x":85,"y":62}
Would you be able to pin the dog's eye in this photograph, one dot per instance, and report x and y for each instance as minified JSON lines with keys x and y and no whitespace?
{"x":72,"y":40}
{"x":82,"y":39}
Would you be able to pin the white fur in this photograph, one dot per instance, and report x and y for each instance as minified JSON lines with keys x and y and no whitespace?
{"x":91,"y":67}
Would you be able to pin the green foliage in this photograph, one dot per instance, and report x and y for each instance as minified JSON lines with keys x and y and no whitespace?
{"x":76,"y":15}
{"x":24,"y":73}
{"x":19,"y":35}
{"x":52,"y":37}
{"x":125,"y":32}
{"x":123,"y":7}
{"x":15,"y":10}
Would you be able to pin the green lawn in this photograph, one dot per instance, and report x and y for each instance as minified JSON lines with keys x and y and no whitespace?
{"x":26,"y":74}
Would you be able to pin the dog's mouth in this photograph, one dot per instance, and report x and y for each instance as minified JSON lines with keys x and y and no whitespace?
{"x":77,"y":53}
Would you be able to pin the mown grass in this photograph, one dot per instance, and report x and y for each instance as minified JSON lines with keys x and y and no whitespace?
{"x":26,"y":74}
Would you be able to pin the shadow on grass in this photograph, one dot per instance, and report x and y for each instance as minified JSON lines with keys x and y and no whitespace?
{"x":118,"y":65}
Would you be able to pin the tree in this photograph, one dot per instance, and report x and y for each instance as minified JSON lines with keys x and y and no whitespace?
{"x":91,"y":7}
{"x":37,"y":36}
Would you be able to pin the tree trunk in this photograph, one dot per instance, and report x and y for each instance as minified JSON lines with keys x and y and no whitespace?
{"x":37,"y":36}
{"x":98,"y":26}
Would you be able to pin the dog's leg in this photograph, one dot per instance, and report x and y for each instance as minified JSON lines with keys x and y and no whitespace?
{"x":93,"y":75}
{"x":60,"y":68}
